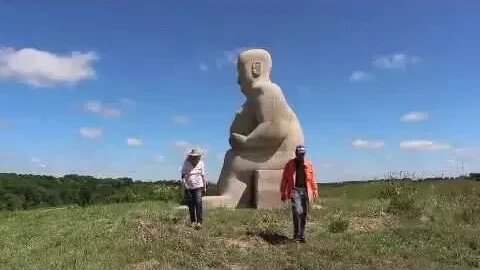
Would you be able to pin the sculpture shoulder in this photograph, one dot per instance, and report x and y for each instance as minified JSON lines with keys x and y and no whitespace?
{"x":243,"y":109}
{"x":240,"y":110}
{"x":268,"y":88}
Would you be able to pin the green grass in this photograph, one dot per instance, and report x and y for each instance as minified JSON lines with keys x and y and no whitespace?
{"x":423,"y":226}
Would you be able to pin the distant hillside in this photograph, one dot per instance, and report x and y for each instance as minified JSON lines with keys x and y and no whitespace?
{"x":471,"y":176}
{"x":26,"y":191}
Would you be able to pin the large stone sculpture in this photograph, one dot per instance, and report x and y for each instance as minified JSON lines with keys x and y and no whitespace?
{"x":263,"y":137}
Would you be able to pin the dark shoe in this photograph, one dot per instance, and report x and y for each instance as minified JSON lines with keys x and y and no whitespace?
{"x":301,"y":240}
{"x":198,"y":226}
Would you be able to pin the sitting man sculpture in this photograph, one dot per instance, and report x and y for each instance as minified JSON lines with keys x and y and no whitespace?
{"x":263,"y":136}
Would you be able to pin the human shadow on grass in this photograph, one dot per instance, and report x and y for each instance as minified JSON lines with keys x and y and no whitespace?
{"x":272,"y":238}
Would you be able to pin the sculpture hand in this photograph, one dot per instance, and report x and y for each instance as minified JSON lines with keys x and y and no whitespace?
{"x":237,"y":140}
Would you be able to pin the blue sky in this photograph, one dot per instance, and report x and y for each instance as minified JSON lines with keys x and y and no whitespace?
{"x":121,"y":89}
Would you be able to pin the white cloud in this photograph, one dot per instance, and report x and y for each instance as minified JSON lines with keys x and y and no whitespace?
{"x":93,"y":106}
{"x":97,"y":107}
{"x":181,"y":119}
{"x":182,"y":144}
{"x":45,"y":69}
{"x":415,"y":117}
{"x":134,"y":142}
{"x":126,"y":102}
{"x":91,"y":133}
{"x":159,"y":158}
{"x":110,"y":112}
{"x":358,"y":76}
{"x":395,"y":61}
{"x":203,"y":67}
{"x":37,"y":162}
{"x":230,"y":57}
{"x":366,"y":144}
{"x":423,"y":145}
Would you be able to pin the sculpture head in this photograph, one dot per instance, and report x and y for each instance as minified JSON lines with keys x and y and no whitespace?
{"x":253,"y":65}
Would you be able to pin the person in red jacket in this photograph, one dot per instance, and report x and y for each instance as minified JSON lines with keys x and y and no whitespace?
{"x":300,"y":186}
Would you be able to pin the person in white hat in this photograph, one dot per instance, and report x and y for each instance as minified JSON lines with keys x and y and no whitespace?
{"x":195,"y":182}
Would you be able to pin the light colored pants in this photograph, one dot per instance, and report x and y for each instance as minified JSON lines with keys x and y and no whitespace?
{"x":299,"y":211}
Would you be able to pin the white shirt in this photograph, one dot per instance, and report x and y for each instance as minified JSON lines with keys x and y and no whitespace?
{"x":193,"y":176}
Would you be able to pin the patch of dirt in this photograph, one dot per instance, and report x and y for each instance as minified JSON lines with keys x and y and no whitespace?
{"x":238,"y":267}
{"x":424,"y":219}
{"x":365,"y":224}
{"x":273,"y":238}
{"x":147,"y":231}
{"x":242,"y":242}
{"x":147,"y":265}
{"x":262,"y":238}
{"x":229,"y":267}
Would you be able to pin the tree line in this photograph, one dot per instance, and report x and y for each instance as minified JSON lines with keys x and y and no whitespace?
{"x":26,"y":191}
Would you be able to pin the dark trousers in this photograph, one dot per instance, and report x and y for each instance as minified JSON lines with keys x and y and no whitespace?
{"x":299,"y":211}
{"x":194,"y":202}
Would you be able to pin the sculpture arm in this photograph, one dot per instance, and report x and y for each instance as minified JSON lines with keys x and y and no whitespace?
{"x":265,"y":135}
{"x":273,"y":127}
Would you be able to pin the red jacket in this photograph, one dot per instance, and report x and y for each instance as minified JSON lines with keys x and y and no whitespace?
{"x":288,"y":180}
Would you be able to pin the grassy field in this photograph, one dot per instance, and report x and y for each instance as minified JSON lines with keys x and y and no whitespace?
{"x":374,"y":226}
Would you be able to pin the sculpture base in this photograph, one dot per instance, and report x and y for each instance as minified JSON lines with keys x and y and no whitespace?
{"x":218,"y":202}
{"x":267,"y":189}
{"x":262,"y":193}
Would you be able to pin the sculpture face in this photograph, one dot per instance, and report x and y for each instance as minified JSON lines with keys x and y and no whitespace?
{"x":252,"y":66}
{"x":243,"y":80}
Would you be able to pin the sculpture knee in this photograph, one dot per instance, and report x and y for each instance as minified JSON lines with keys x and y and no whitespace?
{"x":233,"y":183}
